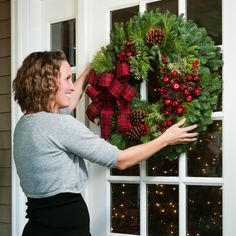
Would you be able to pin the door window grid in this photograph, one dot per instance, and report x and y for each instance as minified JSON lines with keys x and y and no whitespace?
{"x":63,"y":37}
{"x":182,"y":180}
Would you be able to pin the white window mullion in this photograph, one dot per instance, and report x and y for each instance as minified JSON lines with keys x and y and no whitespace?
{"x":182,"y":7}
{"x":143,"y":200}
{"x":182,"y":195}
{"x":108,"y":207}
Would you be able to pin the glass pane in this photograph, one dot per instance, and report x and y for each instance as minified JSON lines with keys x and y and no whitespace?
{"x":164,"y":5}
{"x":219,"y":106}
{"x":207,"y":14}
{"x":73,"y":79}
{"x":205,"y":159}
{"x":204,"y":211}
{"x":132,"y":171}
{"x":125,"y":208}
{"x":153,"y":83}
{"x":161,"y":166}
{"x":63,"y":38}
{"x":123,"y":15}
{"x":163,"y":210}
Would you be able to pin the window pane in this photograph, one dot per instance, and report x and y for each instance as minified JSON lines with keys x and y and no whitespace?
{"x":63,"y":38}
{"x":205,"y":159}
{"x":220,"y":104}
{"x":204,"y":211}
{"x":73,"y":79}
{"x":164,"y":5}
{"x":123,"y":15}
{"x":161,"y":166}
{"x":125,"y":208}
{"x":163,"y":210}
{"x":207,"y":14}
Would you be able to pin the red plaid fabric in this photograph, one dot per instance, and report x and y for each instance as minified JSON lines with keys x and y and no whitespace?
{"x":107,"y":91}
{"x":106,"y":115}
{"x":105,"y":79}
{"x":93,"y":78}
{"x":122,"y":71}
{"x":123,"y":115}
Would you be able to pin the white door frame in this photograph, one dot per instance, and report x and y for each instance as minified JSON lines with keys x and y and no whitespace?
{"x":26,"y":25}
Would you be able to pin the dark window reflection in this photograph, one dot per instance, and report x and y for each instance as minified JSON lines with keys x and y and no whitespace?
{"x":219,"y":106}
{"x":125,"y":208}
{"x":73,"y":79}
{"x":161,"y":166}
{"x":204,"y":211}
{"x":163,"y":210}
{"x":164,"y":5}
{"x":63,"y":38}
{"x":153,"y":83}
{"x":123,"y":15}
{"x":207,"y":14}
{"x":205,"y":159}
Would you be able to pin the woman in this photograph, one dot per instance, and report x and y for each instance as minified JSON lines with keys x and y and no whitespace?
{"x":50,"y":148}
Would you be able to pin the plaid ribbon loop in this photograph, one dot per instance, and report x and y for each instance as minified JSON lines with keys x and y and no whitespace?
{"x":106,"y":91}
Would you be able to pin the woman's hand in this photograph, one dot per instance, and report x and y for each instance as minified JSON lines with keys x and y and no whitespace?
{"x":177,"y":135}
{"x":174,"y":135}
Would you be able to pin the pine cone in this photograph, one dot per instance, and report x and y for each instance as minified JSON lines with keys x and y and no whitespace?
{"x":137,"y":115}
{"x":180,"y":96}
{"x":191,"y":86}
{"x":171,"y":95}
{"x":154,"y":36}
{"x":134,"y":133}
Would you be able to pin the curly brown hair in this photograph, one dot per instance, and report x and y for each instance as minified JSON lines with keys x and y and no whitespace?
{"x":35,"y":84}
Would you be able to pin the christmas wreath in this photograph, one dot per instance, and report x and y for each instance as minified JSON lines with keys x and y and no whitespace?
{"x":179,"y":61}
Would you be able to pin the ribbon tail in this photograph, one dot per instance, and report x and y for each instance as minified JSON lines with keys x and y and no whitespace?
{"x":106,"y":123}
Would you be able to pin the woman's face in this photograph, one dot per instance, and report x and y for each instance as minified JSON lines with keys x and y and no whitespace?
{"x":65,"y":87}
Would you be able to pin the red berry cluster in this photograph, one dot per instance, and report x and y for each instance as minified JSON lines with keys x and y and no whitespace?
{"x":129,"y":51}
{"x":144,"y":128}
{"x":175,"y":90}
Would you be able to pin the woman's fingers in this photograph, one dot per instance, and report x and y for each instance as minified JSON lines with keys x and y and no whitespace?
{"x":187,"y":140}
{"x":191,"y":127}
{"x":181,"y":122}
{"x":192,"y":135}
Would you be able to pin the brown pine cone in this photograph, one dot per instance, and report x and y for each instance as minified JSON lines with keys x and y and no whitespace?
{"x":154,"y":36}
{"x":137,"y":115}
{"x":191,"y":86}
{"x":134,"y":133}
{"x":171,"y":95}
{"x":180,"y":96}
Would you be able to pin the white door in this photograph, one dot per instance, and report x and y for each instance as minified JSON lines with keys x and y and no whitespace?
{"x":197,"y":190}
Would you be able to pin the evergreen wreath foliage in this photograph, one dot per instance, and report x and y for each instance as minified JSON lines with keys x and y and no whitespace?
{"x":181,"y":56}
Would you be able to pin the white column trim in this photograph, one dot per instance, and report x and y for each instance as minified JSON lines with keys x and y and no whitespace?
{"x":24,"y":30}
{"x":18,"y":199}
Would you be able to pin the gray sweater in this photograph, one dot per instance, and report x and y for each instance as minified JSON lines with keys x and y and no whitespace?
{"x":49,"y":152}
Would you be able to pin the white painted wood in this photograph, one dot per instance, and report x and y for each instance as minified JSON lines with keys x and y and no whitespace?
{"x":25,"y":34}
{"x":229,"y":125}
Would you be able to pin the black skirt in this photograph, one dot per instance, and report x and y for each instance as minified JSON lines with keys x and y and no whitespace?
{"x":64,"y":214}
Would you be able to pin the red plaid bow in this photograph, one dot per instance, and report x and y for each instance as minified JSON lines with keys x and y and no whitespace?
{"x":106,"y":91}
